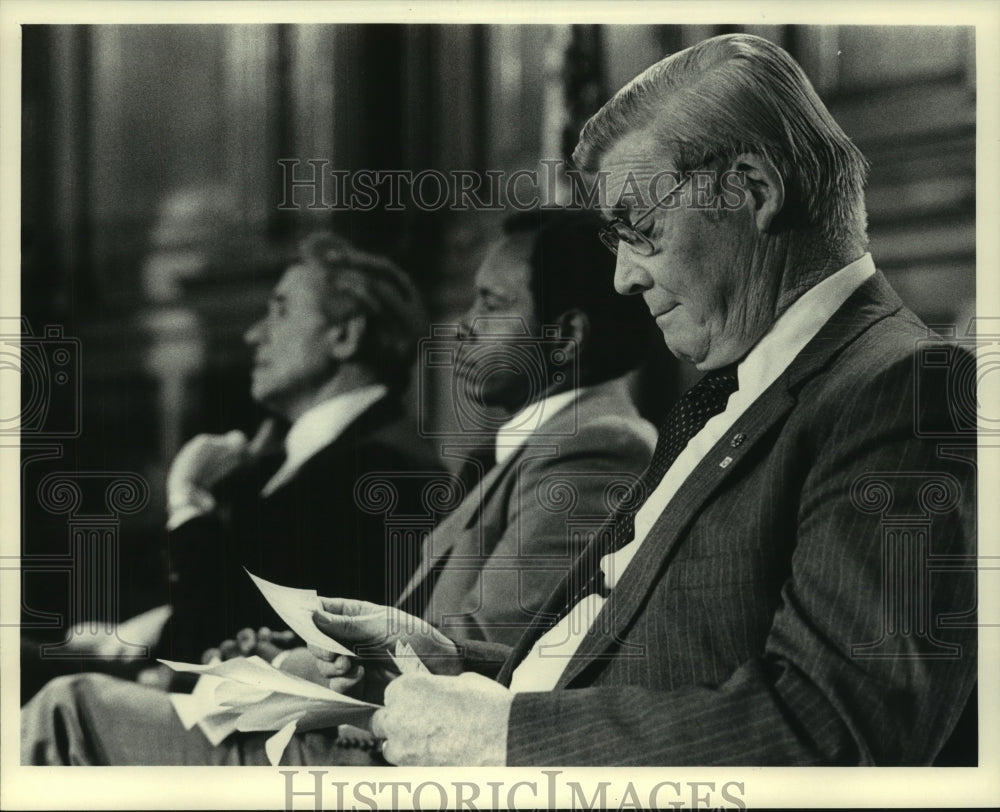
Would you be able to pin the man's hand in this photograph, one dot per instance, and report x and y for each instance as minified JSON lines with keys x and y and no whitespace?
{"x":142,"y":630}
{"x":263,"y":643}
{"x":436,"y":721}
{"x":373,"y":631}
{"x":204,"y":460}
{"x":281,"y":649}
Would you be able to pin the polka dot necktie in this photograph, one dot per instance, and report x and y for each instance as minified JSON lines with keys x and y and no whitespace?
{"x":688,"y":416}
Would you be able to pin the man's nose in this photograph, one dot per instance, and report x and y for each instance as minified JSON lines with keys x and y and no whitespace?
{"x":630,"y":277}
{"x":253,"y":334}
{"x":465,"y":323}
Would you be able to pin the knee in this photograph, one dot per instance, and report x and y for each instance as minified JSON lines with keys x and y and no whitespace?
{"x":51,"y":720}
{"x":67,"y":690}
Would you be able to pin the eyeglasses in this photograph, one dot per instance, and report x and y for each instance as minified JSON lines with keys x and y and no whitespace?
{"x":619,"y":230}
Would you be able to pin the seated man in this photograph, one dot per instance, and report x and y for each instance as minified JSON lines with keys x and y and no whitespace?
{"x":755,"y":609}
{"x":490,"y":565}
{"x":331,"y":358}
{"x":570,"y":440}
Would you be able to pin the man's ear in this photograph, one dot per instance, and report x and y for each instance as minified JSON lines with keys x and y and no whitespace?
{"x":765,"y":185}
{"x":343,"y":340}
{"x":574,"y":327}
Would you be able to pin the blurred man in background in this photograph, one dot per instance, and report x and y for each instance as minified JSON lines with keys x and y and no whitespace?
{"x":330,"y":360}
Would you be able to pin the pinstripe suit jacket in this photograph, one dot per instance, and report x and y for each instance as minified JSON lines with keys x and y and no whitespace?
{"x":780,"y":611}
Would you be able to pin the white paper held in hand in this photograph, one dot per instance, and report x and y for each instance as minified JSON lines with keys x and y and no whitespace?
{"x":406,"y":659}
{"x":296,"y":607}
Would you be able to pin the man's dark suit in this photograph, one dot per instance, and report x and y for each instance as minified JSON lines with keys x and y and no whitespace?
{"x":309,"y":532}
{"x":750,"y":628}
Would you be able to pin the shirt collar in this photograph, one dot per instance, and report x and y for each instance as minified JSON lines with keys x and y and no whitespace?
{"x":797,"y":326}
{"x":320,"y":426}
{"x":513,"y":434}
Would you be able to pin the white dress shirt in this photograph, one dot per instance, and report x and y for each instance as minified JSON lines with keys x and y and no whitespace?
{"x":313,"y":431}
{"x":320,"y":426}
{"x":513,"y":434}
{"x":545,"y":663}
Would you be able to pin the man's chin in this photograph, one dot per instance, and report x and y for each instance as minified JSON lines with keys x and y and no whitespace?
{"x":495,"y":397}
{"x":699,"y":357}
{"x":683,"y":353}
{"x":263,"y":394}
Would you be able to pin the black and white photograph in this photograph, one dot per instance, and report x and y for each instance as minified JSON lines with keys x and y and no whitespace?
{"x":499,"y":406}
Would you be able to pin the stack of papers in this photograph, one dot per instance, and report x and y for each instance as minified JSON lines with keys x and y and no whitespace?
{"x":248,"y":694}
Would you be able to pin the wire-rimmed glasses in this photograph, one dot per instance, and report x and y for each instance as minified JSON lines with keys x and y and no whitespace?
{"x":619,"y":229}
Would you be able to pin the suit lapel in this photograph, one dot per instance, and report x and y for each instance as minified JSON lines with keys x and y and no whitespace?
{"x":466,"y":514}
{"x":464,"y":527}
{"x":609,"y":398}
{"x":873,"y":301}
{"x":463,"y":523}
{"x":667,"y":532}
{"x":383,"y":412}
{"x":438,"y":545}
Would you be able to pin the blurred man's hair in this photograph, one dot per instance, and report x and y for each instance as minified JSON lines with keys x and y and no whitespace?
{"x":739,"y":93}
{"x":357,"y":282}
{"x":571,"y":269}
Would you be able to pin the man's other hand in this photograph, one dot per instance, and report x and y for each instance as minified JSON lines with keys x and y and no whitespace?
{"x":373,"y":631}
{"x":281,"y":649}
{"x":201,"y":463}
{"x":263,"y":643}
{"x":438,"y":721}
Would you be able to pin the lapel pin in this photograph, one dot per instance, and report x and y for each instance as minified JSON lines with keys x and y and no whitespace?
{"x":725,"y":462}
{"x":737,"y":439}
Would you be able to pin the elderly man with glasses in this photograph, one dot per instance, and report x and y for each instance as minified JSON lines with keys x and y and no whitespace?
{"x":768,"y":603}
{"x":754,"y":610}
